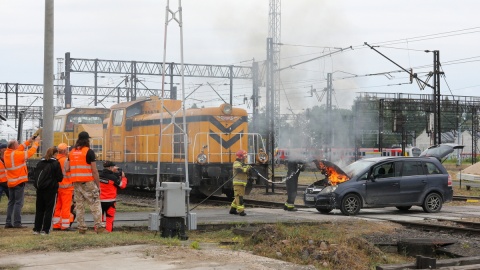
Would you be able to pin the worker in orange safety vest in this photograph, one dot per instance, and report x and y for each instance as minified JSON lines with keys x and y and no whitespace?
{"x":15,"y":158}
{"x":81,"y":165}
{"x":63,"y":216}
{"x":3,"y":172}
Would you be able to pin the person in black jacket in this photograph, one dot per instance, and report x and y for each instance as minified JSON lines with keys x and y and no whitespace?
{"x":47,"y":175}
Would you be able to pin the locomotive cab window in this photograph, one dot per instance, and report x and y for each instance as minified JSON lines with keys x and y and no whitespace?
{"x":78,"y":119}
{"x":57,"y":124}
{"x":117,"y":117}
{"x":134,"y":110}
{"x":178,"y":146}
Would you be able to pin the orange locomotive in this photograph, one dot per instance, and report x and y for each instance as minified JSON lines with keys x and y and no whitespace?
{"x":143,"y":135}
{"x":140,"y":136}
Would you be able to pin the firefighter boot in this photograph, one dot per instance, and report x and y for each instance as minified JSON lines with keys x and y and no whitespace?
{"x":289,"y":208}
{"x":242,"y":213}
{"x":233,"y":211}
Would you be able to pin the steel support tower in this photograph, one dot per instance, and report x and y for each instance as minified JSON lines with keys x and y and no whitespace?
{"x":274,"y":31}
{"x":60,"y":84}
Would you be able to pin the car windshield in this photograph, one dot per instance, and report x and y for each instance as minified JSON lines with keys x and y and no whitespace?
{"x":358,"y":167}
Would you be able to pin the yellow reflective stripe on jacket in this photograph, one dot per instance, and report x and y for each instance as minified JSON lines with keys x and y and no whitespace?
{"x":239,"y":183}
{"x":80,"y":167}
{"x":13,"y":180}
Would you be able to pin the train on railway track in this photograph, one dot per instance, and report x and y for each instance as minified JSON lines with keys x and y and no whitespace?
{"x":345,"y":154}
{"x":146,"y":138}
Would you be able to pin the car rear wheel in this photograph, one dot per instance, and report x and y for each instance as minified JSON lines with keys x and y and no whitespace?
{"x":351,"y":205}
{"x":432,"y":203}
{"x":404,"y":208}
{"x":324,"y":211}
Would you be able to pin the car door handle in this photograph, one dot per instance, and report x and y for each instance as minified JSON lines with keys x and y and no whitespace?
{"x":395,"y":184}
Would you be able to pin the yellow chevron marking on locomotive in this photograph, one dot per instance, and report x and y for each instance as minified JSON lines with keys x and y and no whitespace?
{"x":225,"y":143}
{"x":231,"y":128}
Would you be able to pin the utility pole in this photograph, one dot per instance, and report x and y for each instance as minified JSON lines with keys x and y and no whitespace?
{"x":270,"y":109}
{"x":48,"y":58}
{"x":381,"y":107}
{"x":437,"y":97}
{"x":329,"y":141}
{"x":437,"y":131}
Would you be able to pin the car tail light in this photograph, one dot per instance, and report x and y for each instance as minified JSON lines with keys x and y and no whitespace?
{"x":449,"y":180}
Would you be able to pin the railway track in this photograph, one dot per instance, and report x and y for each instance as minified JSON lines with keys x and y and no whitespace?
{"x":443,"y":225}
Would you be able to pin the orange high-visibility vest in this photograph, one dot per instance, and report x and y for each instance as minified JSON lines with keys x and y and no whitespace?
{"x":15,"y":165}
{"x":3,"y":173}
{"x":66,"y":182}
{"x":80,"y":170}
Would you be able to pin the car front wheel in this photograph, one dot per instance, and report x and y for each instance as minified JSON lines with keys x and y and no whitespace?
{"x":432,"y":203}
{"x":351,"y":205}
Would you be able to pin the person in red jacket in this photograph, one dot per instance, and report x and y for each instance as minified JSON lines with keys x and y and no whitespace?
{"x":111,"y":178}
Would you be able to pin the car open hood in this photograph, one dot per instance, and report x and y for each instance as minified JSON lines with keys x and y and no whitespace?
{"x":441,"y":151}
{"x":334,"y":174}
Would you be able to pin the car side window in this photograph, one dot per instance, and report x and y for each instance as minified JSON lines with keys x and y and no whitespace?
{"x":384,"y":170}
{"x":432,"y":168}
{"x":411,"y":168}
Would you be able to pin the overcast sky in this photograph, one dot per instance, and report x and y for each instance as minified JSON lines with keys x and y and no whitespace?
{"x":228,"y":32}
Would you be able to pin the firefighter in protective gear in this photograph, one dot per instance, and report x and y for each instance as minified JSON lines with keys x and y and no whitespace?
{"x":63,"y":215}
{"x":294,"y":169}
{"x":111,"y":178}
{"x":240,"y":173}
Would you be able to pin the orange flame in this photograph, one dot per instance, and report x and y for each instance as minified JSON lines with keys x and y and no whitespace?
{"x":334,"y":177}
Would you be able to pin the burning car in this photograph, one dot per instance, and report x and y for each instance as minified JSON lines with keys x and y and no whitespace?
{"x":401,"y":182}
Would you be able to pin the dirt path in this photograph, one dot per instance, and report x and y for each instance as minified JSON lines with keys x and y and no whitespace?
{"x":146,"y":257}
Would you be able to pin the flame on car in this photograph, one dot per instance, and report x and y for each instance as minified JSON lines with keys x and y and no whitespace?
{"x":333,"y":173}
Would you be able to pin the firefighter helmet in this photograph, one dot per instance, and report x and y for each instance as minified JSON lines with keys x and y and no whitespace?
{"x":241,"y":153}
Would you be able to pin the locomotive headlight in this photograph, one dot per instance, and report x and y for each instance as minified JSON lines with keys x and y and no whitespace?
{"x":226,"y":109}
{"x":262,"y":157}
{"x":202,"y":158}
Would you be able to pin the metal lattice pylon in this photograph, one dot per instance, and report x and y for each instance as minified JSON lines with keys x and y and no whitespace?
{"x":274,"y":32}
